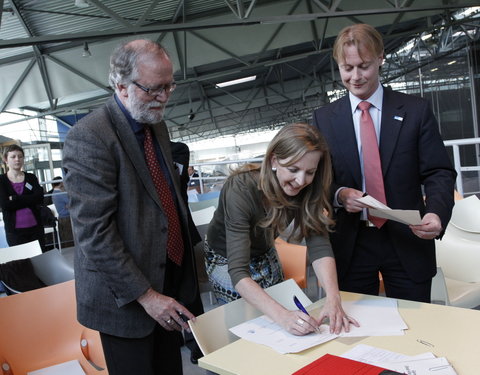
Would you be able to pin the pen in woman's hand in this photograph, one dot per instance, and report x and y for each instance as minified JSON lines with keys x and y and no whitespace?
{"x":302,"y":309}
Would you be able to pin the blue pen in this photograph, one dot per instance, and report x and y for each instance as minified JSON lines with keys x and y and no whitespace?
{"x":299,"y":305}
{"x":302,"y":309}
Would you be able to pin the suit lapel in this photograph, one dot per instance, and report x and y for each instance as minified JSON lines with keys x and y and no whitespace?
{"x":393,"y":115}
{"x":130,"y":145}
{"x":344,"y":133}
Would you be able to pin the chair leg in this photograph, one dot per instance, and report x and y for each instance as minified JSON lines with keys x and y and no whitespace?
{"x":58,"y":238}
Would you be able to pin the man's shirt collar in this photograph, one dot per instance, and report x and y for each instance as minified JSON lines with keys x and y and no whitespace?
{"x":375,"y":100}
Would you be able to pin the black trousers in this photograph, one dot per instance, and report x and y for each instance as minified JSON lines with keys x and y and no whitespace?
{"x":374,"y":253}
{"x":156,"y":354}
{"x":24,"y":235}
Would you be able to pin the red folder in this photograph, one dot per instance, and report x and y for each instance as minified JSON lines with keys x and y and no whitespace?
{"x":333,"y":365}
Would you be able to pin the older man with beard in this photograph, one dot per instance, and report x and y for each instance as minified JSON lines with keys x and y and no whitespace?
{"x":134,"y":265}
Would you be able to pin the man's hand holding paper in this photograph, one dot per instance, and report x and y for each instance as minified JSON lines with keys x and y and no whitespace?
{"x":430,"y":227}
{"x":378,"y":209}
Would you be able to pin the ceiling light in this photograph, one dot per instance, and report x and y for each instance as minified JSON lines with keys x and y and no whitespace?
{"x":434,"y":69}
{"x":236,"y":81}
{"x":81,"y":3}
{"x":426,"y":36}
{"x":451,"y":62}
{"x":86,"y":51}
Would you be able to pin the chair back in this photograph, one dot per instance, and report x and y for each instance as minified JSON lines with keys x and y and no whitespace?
{"x":203,"y":216}
{"x":211,"y":329}
{"x":53,"y":209}
{"x":23,"y":251}
{"x":294,"y":261}
{"x":39,"y":329}
{"x":52,"y":268}
{"x":466,"y":214}
{"x":195,"y":206}
{"x":209,"y":195}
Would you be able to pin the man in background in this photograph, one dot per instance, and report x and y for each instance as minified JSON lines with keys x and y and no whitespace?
{"x":385,"y":144}
{"x":193,"y":183}
{"x":61,"y":201}
{"x":134,"y":266}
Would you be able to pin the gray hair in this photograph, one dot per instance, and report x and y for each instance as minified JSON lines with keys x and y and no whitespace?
{"x":123,"y":62}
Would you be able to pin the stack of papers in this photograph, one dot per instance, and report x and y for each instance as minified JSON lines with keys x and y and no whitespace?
{"x":377,"y":317}
{"x":423,"y":364}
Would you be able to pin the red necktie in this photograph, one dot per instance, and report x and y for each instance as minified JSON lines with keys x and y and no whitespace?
{"x":174,"y":239}
{"x":372,"y":167}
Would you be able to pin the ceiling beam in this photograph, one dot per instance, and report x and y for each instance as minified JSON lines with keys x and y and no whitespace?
{"x":17,"y":85}
{"x":122,"y":21}
{"x":1,"y":12}
{"x":80,"y":74}
{"x":198,"y":25}
{"x":150,"y":8}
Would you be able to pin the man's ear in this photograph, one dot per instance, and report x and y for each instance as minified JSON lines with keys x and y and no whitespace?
{"x":122,"y":90}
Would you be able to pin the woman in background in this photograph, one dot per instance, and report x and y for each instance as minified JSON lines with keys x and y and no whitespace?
{"x":20,"y":200}
{"x":255,"y":205}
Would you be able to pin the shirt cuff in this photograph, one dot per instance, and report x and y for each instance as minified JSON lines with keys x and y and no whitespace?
{"x":336,"y":203}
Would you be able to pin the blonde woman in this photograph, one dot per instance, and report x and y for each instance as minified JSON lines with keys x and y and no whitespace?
{"x":257,"y":203}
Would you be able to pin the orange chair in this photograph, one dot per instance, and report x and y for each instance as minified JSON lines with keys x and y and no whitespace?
{"x":294,"y":261}
{"x":39,"y":329}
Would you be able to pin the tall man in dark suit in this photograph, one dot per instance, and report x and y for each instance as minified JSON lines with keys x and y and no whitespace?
{"x":134,"y":266}
{"x":410,"y":156}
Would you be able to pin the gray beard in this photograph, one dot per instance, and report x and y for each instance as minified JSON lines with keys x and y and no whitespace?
{"x":141,"y":111}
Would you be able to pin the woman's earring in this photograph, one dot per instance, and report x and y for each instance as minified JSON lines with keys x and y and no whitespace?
{"x":274,"y":169}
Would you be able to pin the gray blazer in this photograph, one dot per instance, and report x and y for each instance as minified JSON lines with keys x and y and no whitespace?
{"x":119,"y":224}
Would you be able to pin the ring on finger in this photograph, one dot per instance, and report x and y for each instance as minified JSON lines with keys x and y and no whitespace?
{"x":169,"y":321}
{"x":300,"y":322}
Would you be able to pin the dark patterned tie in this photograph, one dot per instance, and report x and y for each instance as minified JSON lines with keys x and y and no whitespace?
{"x":174,"y":241}
{"x":372,"y":167}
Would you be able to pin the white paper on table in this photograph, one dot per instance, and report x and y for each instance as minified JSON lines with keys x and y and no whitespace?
{"x":377,"y":317}
{"x":433,"y":366}
{"x":263,"y":330}
{"x":372,"y":355}
{"x":70,"y":368}
{"x":378,"y":209}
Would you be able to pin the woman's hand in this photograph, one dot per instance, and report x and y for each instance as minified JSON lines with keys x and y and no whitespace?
{"x":338,"y":319}
{"x":294,"y":322}
{"x":297,"y":322}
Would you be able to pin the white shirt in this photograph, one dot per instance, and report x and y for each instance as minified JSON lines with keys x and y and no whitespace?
{"x":375,"y":110}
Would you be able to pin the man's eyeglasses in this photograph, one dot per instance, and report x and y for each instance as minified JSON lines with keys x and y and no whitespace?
{"x":167,"y":89}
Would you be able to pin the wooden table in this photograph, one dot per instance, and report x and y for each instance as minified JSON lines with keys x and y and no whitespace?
{"x":446,"y":331}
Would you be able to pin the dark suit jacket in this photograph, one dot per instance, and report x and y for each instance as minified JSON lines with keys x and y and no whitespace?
{"x":412,"y":154}
{"x":31,"y":198}
{"x":120,"y":227}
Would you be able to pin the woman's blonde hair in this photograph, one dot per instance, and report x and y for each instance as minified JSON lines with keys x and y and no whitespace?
{"x":310,"y":209}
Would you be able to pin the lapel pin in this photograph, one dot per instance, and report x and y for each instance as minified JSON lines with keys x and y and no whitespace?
{"x":398,"y":118}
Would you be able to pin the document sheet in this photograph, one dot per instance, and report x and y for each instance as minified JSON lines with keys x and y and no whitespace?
{"x":423,"y":364}
{"x":377,"y":317}
{"x":378,"y":209}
